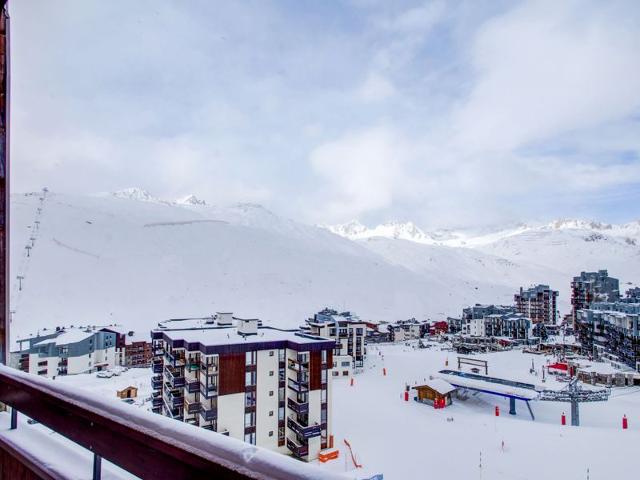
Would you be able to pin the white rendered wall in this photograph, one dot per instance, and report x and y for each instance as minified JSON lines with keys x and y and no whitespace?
{"x":314,"y":417}
{"x":231,"y":414}
{"x":267,"y":403}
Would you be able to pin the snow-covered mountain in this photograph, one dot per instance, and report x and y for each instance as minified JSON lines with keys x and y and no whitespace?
{"x":134,"y":259}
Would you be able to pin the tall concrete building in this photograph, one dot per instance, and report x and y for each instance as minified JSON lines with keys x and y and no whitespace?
{"x":538,"y":303}
{"x":349,"y":334}
{"x":265,"y":386}
{"x":590,"y":287}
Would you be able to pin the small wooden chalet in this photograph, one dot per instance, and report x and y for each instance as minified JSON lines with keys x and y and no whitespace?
{"x":436,"y":392}
{"x":129,"y":392}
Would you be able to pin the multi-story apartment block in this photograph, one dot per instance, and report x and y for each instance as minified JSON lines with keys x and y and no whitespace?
{"x":349,"y":334}
{"x":538,"y":303}
{"x":610,"y":331}
{"x":265,"y":386}
{"x":633,"y":294}
{"x":590,"y":287}
{"x":133,"y":349}
{"x":491,"y":321}
{"x":402,"y":330}
{"x":66,"y":351}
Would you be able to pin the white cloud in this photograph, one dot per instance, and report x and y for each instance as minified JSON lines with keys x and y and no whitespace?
{"x":363,"y":171}
{"x":376,"y":88}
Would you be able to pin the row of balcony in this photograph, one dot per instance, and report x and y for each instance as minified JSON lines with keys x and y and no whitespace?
{"x":174,"y":377}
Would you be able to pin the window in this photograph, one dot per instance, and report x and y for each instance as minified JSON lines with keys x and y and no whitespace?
{"x":250,"y":358}
{"x":249,"y":378}
{"x":250,"y":438}
{"x":271,"y":433}
{"x":324,"y":356}
{"x":250,"y":419}
{"x":359,"y":331}
{"x":271,"y":373}
{"x":249,"y":399}
{"x":345,"y":364}
{"x":334,"y":373}
{"x":281,"y":394}
{"x":271,"y":353}
{"x":271,"y":393}
{"x":323,"y":395}
{"x":281,"y":413}
{"x":323,"y":415}
{"x":271,"y":413}
{"x":345,"y":373}
{"x":281,"y":355}
{"x":323,"y":376}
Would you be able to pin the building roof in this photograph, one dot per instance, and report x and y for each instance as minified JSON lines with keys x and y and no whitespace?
{"x":439,"y":385}
{"x":70,"y":335}
{"x":229,"y":336}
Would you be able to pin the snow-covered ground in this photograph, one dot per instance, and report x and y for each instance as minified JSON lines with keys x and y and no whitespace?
{"x":411,"y":440}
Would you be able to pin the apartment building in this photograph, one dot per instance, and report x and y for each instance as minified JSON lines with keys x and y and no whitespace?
{"x":610,"y":331}
{"x":66,"y":351}
{"x":402,"y":330}
{"x":349,"y":334}
{"x":491,"y":321}
{"x":133,"y":349}
{"x":590,"y":287}
{"x":266,"y":386}
{"x":539,"y":303}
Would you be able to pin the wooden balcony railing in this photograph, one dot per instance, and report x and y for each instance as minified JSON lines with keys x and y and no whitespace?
{"x":142,"y":443}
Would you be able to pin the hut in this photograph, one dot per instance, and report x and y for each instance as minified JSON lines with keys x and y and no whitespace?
{"x":436,"y":392}
{"x":129,"y":392}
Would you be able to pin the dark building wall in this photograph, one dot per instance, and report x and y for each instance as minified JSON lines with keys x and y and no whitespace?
{"x":315,"y":367}
{"x":232,"y":370}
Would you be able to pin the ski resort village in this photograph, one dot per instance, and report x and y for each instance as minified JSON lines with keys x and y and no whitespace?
{"x":477,"y":392}
{"x":344,"y":240}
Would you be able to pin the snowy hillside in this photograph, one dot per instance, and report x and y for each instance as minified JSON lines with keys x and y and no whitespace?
{"x":135,"y":259}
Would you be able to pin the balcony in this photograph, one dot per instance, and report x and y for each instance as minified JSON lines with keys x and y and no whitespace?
{"x":304,"y":432}
{"x":193,"y":386}
{"x":208,"y":391}
{"x":174,"y":377}
{"x":297,"y":407}
{"x":192,"y":406}
{"x":208,"y":414}
{"x":173,"y":399}
{"x":157,"y":366}
{"x":193,"y":365}
{"x":297,"y":387}
{"x":156,"y":382}
{"x":297,"y":449}
{"x":209,"y":368}
{"x":143,"y":447}
{"x":173,"y":359}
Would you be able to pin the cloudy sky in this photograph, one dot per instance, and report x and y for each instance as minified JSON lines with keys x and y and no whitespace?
{"x":445,"y":113}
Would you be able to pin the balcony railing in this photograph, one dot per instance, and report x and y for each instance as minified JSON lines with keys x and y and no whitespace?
{"x":208,"y":368}
{"x":192,"y":407}
{"x":208,"y":414}
{"x":304,"y":432}
{"x":174,"y":377}
{"x":156,"y":382}
{"x":193,"y":386}
{"x":148,"y":446}
{"x":297,"y":387}
{"x":297,"y":449}
{"x":297,"y":407}
{"x":208,"y":391}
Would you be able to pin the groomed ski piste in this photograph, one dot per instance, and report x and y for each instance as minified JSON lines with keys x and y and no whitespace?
{"x":403,"y":440}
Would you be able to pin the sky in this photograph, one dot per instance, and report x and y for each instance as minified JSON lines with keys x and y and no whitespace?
{"x":449,"y":114}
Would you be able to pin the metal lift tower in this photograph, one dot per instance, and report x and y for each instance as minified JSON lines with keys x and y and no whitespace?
{"x":574,"y":394}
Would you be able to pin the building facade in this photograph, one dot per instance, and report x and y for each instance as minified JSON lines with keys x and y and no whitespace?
{"x":590,"y":287}
{"x":609,"y":331}
{"x":538,"y":303}
{"x":265,"y":386}
{"x":491,"y":321}
{"x":349,"y":334}
{"x":133,"y":349}
{"x":66,"y":351}
{"x":411,"y":329}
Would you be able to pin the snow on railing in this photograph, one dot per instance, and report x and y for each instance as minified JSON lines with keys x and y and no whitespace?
{"x":145,"y":444}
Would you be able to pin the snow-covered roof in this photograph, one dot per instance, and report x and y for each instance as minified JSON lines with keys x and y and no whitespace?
{"x":489,"y":387}
{"x":230,"y":336}
{"x":439,"y":385}
{"x":72,"y":335}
